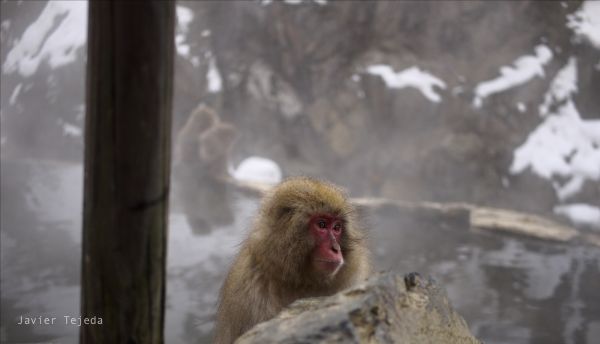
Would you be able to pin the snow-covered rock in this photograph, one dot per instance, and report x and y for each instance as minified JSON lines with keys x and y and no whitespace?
{"x":410,"y":77}
{"x":580,"y":214}
{"x":258,"y":169}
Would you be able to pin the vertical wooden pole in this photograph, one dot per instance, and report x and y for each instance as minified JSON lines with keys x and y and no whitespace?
{"x":127,"y":168}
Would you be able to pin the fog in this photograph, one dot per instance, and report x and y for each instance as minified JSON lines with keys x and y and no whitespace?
{"x":489,"y":103}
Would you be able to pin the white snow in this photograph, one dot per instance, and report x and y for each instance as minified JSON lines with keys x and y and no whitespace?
{"x":580,"y":214}
{"x":568,"y":189}
{"x":258,"y":169}
{"x":564,"y":144}
{"x":182,"y":48}
{"x":184,"y":18}
{"x":525,"y":68}
{"x":50,"y":39}
{"x":585,"y":22}
{"x":15,"y":94}
{"x":215,"y":83}
{"x":71,"y":130}
{"x":410,"y":77}
{"x":521,"y":107}
{"x":562,"y":86}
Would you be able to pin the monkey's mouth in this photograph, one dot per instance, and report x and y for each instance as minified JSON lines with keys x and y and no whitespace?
{"x":329,"y":266}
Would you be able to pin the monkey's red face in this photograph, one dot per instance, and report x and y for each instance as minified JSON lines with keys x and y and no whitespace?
{"x":327,"y":231}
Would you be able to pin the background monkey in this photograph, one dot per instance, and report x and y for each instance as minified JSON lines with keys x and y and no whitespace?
{"x":201,"y":157}
{"x":305,"y":242}
{"x":205,"y":142}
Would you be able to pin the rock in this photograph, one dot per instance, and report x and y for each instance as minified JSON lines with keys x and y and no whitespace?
{"x":385,"y":309}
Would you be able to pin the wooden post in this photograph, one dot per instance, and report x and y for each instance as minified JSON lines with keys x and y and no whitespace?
{"x":127,"y":168}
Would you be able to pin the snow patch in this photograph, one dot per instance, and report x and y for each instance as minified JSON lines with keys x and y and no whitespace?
{"x":182,"y":48}
{"x":525,"y":68}
{"x":562,"y":86}
{"x":55,"y":37}
{"x":410,"y":77}
{"x":215,"y":83}
{"x":258,"y":169}
{"x":580,"y":214}
{"x":585,"y":22}
{"x":563,"y":145}
{"x":184,"y":18}
{"x":15,"y":94}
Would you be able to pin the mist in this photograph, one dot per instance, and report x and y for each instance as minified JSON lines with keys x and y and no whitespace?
{"x":492,"y":104}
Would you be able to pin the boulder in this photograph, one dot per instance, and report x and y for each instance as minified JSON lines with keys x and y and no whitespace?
{"x":387,"y":308}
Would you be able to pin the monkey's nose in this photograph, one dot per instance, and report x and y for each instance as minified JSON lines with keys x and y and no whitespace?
{"x":335,"y":247}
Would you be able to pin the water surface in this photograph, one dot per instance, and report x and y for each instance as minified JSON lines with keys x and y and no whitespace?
{"x":509,"y":289}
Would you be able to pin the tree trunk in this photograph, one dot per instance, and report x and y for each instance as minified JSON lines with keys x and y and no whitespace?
{"x":127,"y":169}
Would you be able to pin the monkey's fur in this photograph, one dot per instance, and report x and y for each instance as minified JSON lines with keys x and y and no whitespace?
{"x":273,"y":267}
{"x":201,"y":157}
{"x":205,"y":141}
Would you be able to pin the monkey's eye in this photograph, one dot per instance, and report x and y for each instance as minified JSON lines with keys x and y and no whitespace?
{"x":337,"y":227}
{"x":321,"y":224}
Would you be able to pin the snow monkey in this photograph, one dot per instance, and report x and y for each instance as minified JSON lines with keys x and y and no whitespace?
{"x":201,"y":157}
{"x":305,"y":242}
{"x":206,"y":141}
